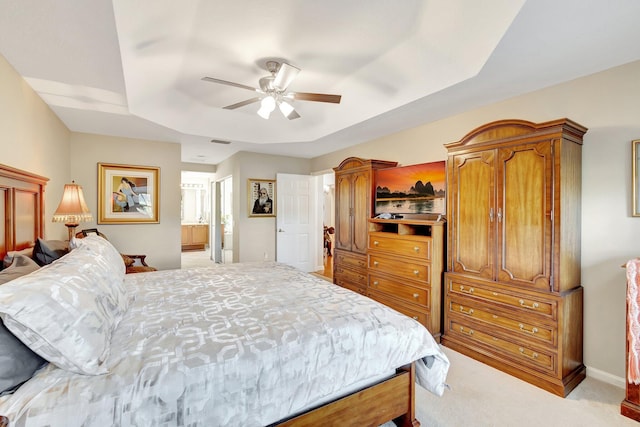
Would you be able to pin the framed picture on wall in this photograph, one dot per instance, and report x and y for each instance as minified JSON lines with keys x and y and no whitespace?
{"x":635,"y":180}
{"x":128,"y":194}
{"x":261,"y":201}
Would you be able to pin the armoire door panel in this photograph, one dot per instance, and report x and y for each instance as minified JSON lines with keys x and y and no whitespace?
{"x":524,"y":215}
{"x":342,"y":235}
{"x":473,"y":214}
{"x":361,"y":207}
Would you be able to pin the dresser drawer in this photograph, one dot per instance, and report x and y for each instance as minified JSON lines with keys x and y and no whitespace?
{"x":420,"y":316}
{"x":417,"y":247}
{"x":400,"y":267}
{"x":355,"y":287}
{"x":526,"y":303}
{"x":511,"y":324}
{"x":350,"y":275}
{"x":544,"y":361}
{"x":350,"y":259}
{"x":400,"y":290}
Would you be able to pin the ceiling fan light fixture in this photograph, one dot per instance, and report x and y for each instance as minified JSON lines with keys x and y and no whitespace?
{"x":267,"y":105}
{"x":264,"y":113}
{"x":285,"y":108}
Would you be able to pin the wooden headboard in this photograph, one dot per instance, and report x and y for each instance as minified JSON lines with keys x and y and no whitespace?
{"x":21,"y":209}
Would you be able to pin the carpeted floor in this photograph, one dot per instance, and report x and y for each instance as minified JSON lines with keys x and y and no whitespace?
{"x":483,"y":396}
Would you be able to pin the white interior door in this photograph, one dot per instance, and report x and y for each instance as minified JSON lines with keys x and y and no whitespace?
{"x":297,"y":235}
{"x":223,"y":239}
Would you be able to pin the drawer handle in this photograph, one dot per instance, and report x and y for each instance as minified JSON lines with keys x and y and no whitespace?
{"x":375,"y":243}
{"x":466,"y":331}
{"x":416,"y":272}
{"x":415,"y":317}
{"x":469,"y":312}
{"x":533,"y":354}
{"x":531,"y":331}
{"x":416,"y":249}
{"x":465,"y":290}
{"x":533,"y":306}
{"x":416,"y":296}
{"x":375,"y":283}
{"x":375,"y":263}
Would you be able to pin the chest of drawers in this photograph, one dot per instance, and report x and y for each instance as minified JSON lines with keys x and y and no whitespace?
{"x":523,"y":330}
{"x":405,"y":264}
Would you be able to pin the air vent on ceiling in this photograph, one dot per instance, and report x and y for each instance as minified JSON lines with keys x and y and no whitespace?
{"x":219,"y":141}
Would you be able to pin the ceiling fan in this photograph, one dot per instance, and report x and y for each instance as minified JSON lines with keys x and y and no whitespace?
{"x":273,"y":91}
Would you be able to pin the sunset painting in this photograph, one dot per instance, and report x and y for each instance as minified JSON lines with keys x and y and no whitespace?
{"x":414,"y":189}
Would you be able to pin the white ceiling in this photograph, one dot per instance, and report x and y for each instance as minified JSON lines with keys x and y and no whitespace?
{"x":134,"y":68}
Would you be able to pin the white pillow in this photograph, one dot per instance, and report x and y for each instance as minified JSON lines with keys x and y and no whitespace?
{"x":66,"y":311}
{"x":107,"y":255}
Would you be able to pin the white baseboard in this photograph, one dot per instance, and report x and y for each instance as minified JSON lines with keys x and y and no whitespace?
{"x":606,"y":377}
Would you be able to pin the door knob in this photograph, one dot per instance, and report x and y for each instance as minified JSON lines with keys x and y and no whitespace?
{"x":280,"y":230}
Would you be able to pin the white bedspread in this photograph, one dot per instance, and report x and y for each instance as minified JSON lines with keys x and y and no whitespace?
{"x":237,"y":345}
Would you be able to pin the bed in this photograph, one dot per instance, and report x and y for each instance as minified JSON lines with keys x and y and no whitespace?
{"x":239,"y":344}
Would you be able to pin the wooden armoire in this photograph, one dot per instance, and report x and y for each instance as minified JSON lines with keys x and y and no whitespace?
{"x":513,"y":294}
{"x":354,"y":198}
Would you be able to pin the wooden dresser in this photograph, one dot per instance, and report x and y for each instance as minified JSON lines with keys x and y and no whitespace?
{"x":405,"y":265}
{"x":354,"y":206}
{"x":513,"y":289}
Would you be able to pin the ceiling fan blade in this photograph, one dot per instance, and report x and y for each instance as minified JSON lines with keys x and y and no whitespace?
{"x":317,"y":97}
{"x":241,"y":104}
{"x":286,"y":74}
{"x":224,"y":82}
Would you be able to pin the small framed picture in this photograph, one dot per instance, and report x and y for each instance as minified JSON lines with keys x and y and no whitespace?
{"x":261,"y":200}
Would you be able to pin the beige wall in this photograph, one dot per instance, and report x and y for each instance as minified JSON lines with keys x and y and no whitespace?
{"x":254,"y":239}
{"x":197,"y":167}
{"x":160,"y":242}
{"x":606,"y":103}
{"x":32,"y":138}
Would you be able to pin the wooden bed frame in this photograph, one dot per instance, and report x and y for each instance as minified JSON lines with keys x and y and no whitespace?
{"x":21,"y":209}
{"x":392,"y":399}
{"x":22,"y":212}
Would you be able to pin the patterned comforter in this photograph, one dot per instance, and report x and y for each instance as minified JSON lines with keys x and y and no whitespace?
{"x":233,"y":345}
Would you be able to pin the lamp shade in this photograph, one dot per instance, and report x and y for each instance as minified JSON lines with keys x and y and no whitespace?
{"x":72,"y":208}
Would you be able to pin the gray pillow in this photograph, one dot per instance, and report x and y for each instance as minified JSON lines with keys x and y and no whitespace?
{"x":8,"y":258}
{"x":17,"y":361}
{"x":20,"y":265}
{"x":47,"y":251}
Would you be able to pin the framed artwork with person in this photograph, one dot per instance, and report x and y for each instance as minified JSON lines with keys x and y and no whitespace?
{"x":261,"y":197}
{"x":128,"y":194}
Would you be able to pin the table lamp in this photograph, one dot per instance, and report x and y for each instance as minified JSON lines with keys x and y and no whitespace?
{"x":72,"y":208}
